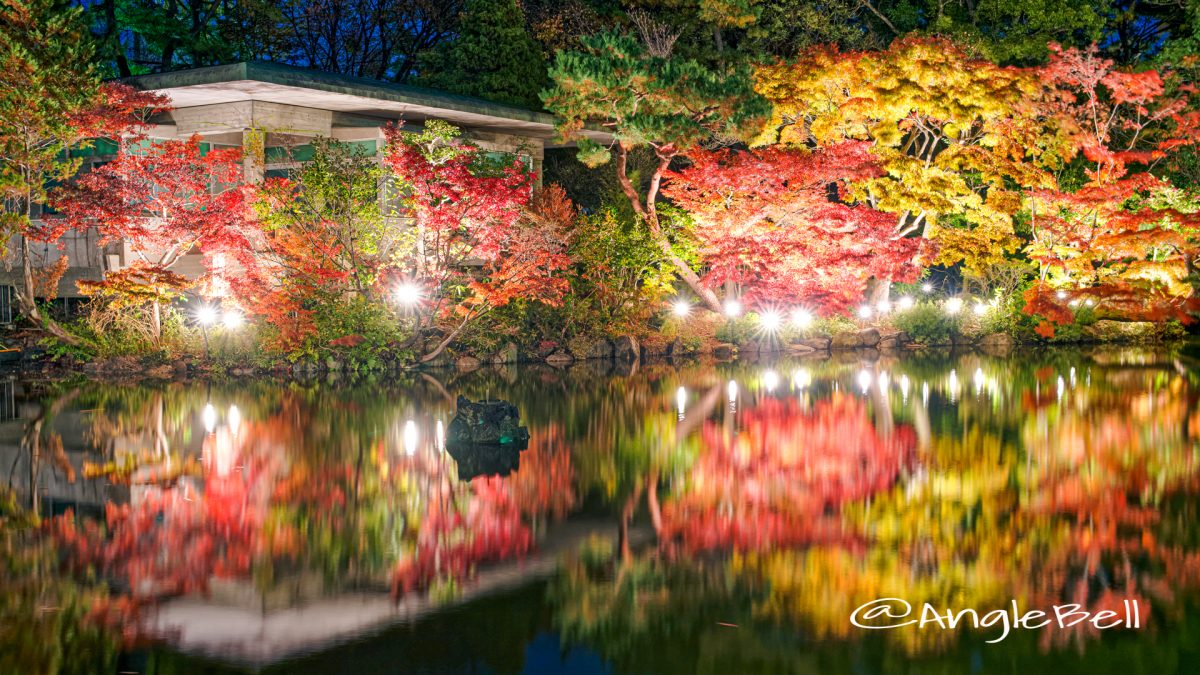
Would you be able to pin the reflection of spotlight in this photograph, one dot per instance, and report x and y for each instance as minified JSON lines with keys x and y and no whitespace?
{"x":732,"y":390}
{"x":440,"y":436}
{"x":682,"y":308}
{"x":802,"y":318}
{"x":904,"y":385}
{"x":771,"y":321}
{"x":770,"y":380}
{"x":410,"y":437}
{"x":801,"y":378}
{"x":905,"y":302}
{"x":864,"y":381}
{"x":235,"y":418}
{"x":680,"y":400}
{"x":210,"y":418}
{"x":733,"y":308}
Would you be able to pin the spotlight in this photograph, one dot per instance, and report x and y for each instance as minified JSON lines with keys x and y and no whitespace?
{"x":682,"y":308}
{"x":926,"y":287}
{"x":408,"y":293}
{"x":864,"y":312}
{"x":233,"y":320}
{"x":771,"y":321}
{"x":954,"y":305}
{"x":905,"y":302}
{"x":802,"y":318}
{"x":733,"y":308}
{"x":206,"y":315}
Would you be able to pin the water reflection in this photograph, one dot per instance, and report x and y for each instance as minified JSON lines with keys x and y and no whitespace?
{"x":708,"y":515}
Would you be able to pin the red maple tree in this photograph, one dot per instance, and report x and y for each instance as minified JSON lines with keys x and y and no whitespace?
{"x":777,"y":221}
{"x":167,"y":199}
{"x":467,"y":209}
{"x":1114,"y":241}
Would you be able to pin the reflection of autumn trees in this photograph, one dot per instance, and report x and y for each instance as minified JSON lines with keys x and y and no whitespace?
{"x":298,"y":483}
{"x":490,"y":518}
{"x":782,"y":476}
{"x":46,"y":620}
{"x":1049,"y":481}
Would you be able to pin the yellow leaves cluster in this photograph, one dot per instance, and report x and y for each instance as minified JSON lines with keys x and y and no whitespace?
{"x":953,"y":133}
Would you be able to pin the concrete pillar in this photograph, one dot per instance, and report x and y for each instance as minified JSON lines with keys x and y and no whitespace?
{"x":253,"y":154}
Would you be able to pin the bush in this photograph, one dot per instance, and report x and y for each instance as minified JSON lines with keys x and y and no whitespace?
{"x":926,"y":323}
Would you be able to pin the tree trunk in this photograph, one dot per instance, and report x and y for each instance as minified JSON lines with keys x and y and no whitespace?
{"x":27,"y":301}
{"x":649,"y":213}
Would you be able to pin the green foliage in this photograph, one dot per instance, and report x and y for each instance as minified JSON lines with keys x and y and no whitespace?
{"x":646,"y":96}
{"x":45,"y":79}
{"x":353,"y":316}
{"x":493,"y":56}
{"x":926,"y":323}
{"x":739,"y":330}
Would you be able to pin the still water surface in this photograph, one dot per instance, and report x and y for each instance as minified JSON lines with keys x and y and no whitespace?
{"x":696,"y":518}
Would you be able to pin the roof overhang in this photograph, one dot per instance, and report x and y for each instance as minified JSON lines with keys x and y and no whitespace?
{"x":290,"y":85}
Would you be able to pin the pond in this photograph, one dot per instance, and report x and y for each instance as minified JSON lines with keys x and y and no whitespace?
{"x":663,"y":518}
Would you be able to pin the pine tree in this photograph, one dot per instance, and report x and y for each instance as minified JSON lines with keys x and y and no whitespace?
{"x":493,"y":57}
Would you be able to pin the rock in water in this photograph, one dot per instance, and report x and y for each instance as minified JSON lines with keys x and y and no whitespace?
{"x":486,"y":438}
{"x":486,"y":423}
{"x":477,"y":459}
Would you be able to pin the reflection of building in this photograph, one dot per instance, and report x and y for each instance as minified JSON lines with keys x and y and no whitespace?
{"x":271,"y":111}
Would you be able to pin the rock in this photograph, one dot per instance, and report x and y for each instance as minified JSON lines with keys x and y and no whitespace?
{"x":820,"y":344}
{"x":997,"y":341}
{"x":800,"y":348}
{"x":893,"y":341}
{"x":506,"y":354}
{"x":959,"y":340}
{"x":600,"y":349}
{"x":625,"y":348}
{"x":490,"y":422}
{"x":163,"y":372}
{"x":868,"y":337}
{"x":467,"y":363}
{"x":747,"y":349}
{"x":724,"y":351}
{"x":1107,"y":330}
{"x":676,"y":348}
{"x":545,"y":348}
{"x":560,"y":358}
{"x":476,"y":459}
{"x":845,"y":341}
{"x":653,"y":350}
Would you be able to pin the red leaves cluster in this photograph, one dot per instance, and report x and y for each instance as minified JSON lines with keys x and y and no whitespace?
{"x":467,"y":215}
{"x":1131,"y":261}
{"x":776,"y":221}
{"x":168,"y":199}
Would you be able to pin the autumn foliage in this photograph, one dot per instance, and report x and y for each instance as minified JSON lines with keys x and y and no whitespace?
{"x":1116,"y":240}
{"x":778,"y":221}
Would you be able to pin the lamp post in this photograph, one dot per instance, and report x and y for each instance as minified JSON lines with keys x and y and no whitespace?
{"x":206,"y":316}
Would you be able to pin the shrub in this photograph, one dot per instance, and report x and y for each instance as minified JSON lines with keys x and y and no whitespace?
{"x":926,"y":323}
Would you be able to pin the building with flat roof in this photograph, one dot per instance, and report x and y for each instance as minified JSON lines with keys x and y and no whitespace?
{"x":270,"y":110}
